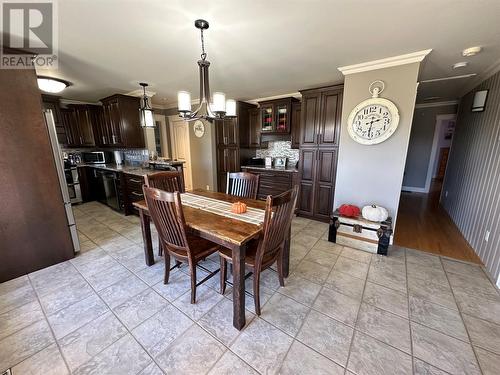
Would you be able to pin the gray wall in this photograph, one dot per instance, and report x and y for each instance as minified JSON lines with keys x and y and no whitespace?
{"x":373,"y":174}
{"x":473,"y":175}
{"x":420,"y":146}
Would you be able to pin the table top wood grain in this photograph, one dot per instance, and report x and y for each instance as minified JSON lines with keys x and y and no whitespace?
{"x":221,"y":229}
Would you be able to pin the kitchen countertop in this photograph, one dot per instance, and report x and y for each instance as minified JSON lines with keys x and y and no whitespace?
{"x":274,"y":169}
{"x":130,"y":169}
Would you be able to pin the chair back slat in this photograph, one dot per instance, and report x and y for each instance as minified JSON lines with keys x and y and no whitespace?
{"x":170,"y":181}
{"x":277,"y":220}
{"x":242,"y":184}
{"x":165,"y":209}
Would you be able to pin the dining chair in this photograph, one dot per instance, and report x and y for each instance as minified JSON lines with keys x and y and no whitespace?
{"x":262,"y":253}
{"x":165,"y":209}
{"x":170,"y":181}
{"x":242,"y":184}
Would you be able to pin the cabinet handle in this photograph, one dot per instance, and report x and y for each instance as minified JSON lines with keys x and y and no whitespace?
{"x":81,"y":139}
{"x":137,"y":194}
{"x":134,"y":180}
{"x":113,"y":137}
{"x":103,"y":140}
{"x":225,"y":140}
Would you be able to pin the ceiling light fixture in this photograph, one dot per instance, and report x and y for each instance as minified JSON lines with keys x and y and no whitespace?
{"x":52,"y":85}
{"x":219,"y":107}
{"x":461,"y":64}
{"x":145,"y":111}
{"x":472,"y":51}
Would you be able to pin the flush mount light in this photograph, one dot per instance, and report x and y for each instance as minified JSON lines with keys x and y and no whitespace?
{"x":461,"y":64}
{"x":479,"y":102}
{"x":145,"y":111}
{"x":219,"y":107}
{"x":472,"y":51}
{"x":52,"y":85}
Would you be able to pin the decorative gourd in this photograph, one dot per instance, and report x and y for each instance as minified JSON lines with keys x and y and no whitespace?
{"x":375,"y":213}
{"x":238,"y":208}
{"x":349,"y":210}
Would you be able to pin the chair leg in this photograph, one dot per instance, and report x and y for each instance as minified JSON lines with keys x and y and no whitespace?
{"x":160,"y":248}
{"x":192,"y":268}
{"x":256,"y":291}
{"x":223,"y":271}
{"x":167,"y":267}
{"x":280,"y":268}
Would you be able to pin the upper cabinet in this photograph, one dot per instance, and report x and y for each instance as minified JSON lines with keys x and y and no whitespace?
{"x":276,"y":116}
{"x":295,"y":132}
{"x":121,"y":123}
{"x":78,"y":120}
{"x":321,"y":117}
{"x":52,"y":102}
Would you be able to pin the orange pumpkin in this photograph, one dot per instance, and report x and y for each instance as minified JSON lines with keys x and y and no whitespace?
{"x":238,"y":208}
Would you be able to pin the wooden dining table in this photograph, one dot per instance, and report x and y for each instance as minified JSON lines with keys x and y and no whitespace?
{"x":231,"y":233}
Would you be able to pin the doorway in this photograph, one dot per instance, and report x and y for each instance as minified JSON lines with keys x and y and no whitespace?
{"x":179,"y":133}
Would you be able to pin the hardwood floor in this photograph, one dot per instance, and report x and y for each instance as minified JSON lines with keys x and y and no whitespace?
{"x":424,"y":225}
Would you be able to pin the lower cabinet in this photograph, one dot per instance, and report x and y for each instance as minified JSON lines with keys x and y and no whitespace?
{"x":273,"y":182}
{"x":132,"y":192}
{"x":317,"y":182}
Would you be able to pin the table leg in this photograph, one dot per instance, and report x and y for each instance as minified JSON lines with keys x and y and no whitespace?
{"x":239,"y":287}
{"x":286,"y":255}
{"x":146,"y":238}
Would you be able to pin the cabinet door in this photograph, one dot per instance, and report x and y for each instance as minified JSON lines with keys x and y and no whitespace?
{"x":295,"y":125}
{"x":112,"y":116}
{"x":254,"y":128}
{"x":69,"y":121}
{"x":307,"y":180}
{"x":325,"y":183}
{"x":267,"y":118}
{"x":84,"y":120}
{"x":101,"y":135}
{"x":310,"y":116}
{"x":282,"y":116}
{"x":331,"y":112}
{"x":230,"y":132}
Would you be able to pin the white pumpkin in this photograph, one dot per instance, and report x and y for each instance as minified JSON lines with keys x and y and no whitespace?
{"x":374,"y":213}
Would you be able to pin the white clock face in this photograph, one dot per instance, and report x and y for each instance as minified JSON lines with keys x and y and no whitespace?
{"x":373,"y":121}
{"x":199,"y":128}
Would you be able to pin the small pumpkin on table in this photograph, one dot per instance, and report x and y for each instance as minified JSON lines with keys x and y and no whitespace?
{"x":238,"y":208}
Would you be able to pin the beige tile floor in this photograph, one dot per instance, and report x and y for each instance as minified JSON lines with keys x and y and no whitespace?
{"x":342,"y":311}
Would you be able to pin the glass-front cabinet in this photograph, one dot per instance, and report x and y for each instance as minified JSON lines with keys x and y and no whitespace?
{"x":275,"y":115}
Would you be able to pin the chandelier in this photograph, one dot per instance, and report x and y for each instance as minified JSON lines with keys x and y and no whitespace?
{"x":219,"y":107}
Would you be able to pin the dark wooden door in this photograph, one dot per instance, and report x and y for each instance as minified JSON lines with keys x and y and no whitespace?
{"x":84,"y":120}
{"x":310,"y":117}
{"x":442,"y":162}
{"x":34,"y":230}
{"x":295,"y":124}
{"x":324,"y":183}
{"x":282,"y":116}
{"x":70,"y":123}
{"x":101,"y":134}
{"x":329,"y":124}
{"x":254,"y":128}
{"x":114,"y":122}
{"x":307,"y":172}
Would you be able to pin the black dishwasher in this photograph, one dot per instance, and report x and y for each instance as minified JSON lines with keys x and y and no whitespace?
{"x":109,"y":182}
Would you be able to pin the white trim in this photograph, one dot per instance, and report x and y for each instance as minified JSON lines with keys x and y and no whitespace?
{"x":385,"y":63}
{"x":414,"y":189}
{"x":436,"y":104}
{"x":255,"y":101}
{"x":71,"y":101}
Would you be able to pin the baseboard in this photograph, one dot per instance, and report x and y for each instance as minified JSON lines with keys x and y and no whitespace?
{"x":414,"y":189}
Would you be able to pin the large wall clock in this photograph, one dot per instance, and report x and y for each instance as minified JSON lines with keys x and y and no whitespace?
{"x":373,"y":120}
{"x":199,"y":128}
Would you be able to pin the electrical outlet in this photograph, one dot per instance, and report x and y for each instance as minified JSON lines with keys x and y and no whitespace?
{"x":487,"y":236}
{"x":208,"y":187}
{"x":446,"y":194}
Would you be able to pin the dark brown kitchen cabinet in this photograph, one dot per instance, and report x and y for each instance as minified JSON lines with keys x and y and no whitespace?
{"x":272,"y":181}
{"x":79,"y":122}
{"x":121,"y":122}
{"x":68,"y":118}
{"x":254,"y":128}
{"x":227,"y":132}
{"x":228,"y":160}
{"x":321,"y":116}
{"x":295,"y":131}
{"x":321,"y":112}
{"x":275,"y":116}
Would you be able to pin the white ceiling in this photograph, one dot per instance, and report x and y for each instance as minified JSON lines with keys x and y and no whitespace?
{"x":263,"y":48}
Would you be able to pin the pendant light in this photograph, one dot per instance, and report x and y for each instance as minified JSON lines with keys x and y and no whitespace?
{"x":219,"y":107}
{"x":146,"y":112}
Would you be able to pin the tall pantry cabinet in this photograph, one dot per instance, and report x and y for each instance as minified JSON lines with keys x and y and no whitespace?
{"x":321,"y":115}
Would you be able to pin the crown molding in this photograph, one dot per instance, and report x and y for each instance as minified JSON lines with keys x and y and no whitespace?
{"x":492,"y":69}
{"x":436,"y":104}
{"x":385,"y":63}
{"x":255,"y":101}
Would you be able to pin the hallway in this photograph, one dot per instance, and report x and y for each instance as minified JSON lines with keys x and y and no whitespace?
{"x":423,"y":224}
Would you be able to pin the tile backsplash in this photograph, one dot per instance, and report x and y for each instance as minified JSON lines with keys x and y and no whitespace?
{"x":280,"y":148}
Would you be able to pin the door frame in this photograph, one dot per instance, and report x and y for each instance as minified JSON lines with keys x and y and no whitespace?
{"x":188,"y":178}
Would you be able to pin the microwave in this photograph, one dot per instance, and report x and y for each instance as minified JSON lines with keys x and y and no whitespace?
{"x":97,"y":157}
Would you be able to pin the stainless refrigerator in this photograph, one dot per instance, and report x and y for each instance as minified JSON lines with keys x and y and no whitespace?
{"x":58,"y":160}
